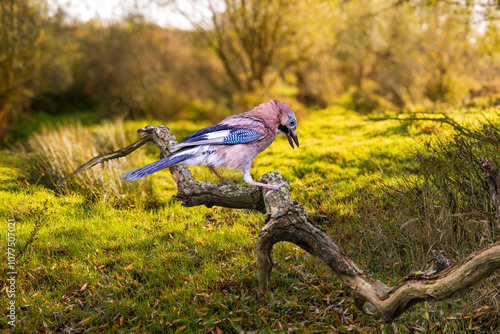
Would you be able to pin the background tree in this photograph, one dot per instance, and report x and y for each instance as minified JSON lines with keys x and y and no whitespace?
{"x":373,"y":55}
{"x":34,"y":56}
{"x":20,"y":24}
{"x":253,"y":37}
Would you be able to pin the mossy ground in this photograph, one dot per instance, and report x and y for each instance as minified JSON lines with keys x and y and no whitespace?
{"x":149,"y":265}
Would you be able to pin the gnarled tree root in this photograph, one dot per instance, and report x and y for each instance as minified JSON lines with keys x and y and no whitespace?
{"x":288,"y":221}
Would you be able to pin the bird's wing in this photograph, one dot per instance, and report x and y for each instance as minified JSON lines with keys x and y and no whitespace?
{"x":174,"y":159}
{"x":221,"y":134}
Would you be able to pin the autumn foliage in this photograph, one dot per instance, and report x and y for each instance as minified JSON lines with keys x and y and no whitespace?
{"x":379,"y":54}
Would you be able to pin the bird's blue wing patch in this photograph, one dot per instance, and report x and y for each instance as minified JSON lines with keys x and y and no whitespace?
{"x":221,"y":134}
{"x":204,"y":131}
{"x":241,"y":136}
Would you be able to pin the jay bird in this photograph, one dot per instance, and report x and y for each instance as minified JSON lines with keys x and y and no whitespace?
{"x":234,"y":142}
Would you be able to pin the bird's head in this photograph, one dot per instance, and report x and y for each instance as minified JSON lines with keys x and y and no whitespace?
{"x":288,"y":121}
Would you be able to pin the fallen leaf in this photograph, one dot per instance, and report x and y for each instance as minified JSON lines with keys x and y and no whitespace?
{"x":180,"y":329}
{"x":85,"y":320}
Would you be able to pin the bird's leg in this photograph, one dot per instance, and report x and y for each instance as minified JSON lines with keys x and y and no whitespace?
{"x":248,"y":179}
{"x":221,"y":179}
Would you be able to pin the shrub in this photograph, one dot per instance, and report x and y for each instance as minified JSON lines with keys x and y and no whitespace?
{"x":446,"y":203}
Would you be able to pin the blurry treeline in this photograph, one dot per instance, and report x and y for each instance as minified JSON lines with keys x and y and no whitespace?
{"x":376,"y":55}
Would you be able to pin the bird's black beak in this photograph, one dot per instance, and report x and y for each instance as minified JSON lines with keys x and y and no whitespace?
{"x":290,"y":134}
{"x":293,"y":134}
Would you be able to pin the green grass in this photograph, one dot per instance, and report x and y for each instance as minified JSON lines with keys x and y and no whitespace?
{"x":143,"y":265}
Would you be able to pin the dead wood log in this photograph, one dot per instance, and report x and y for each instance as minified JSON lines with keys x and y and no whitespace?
{"x":287,"y":220}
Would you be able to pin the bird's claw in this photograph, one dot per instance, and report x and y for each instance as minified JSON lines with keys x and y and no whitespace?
{"x":274,"y":187}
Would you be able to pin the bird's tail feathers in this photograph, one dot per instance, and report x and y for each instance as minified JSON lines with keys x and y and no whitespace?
{"x":156,"y":166}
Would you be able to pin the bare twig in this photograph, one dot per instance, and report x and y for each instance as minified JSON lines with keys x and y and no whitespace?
{"x":442,"y":119}
{"x":40,"y":220}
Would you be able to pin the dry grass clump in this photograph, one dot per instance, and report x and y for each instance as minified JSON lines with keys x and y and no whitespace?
{"x":57,"y":152}
{"x":438,"y":200}
{"x":446,"y":205}
{"x":449,"y":197}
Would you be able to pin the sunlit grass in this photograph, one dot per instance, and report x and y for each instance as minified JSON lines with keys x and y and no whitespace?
{"x":101,"y":266}
{"x":56,"y":152}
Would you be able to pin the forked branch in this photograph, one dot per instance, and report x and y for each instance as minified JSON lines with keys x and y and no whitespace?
{"x":288,"y":221}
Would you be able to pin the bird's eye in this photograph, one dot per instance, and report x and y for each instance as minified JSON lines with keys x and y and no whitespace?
{"x":291,"y":123}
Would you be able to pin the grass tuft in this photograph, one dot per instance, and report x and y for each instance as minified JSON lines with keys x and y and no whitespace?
{"x":56,"y":152}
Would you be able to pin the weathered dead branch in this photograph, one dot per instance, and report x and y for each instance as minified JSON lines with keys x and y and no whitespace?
{"x":288,"y":221}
